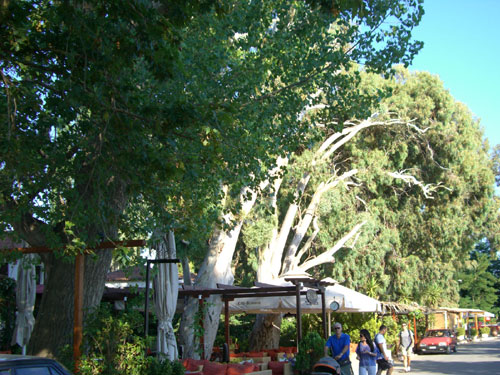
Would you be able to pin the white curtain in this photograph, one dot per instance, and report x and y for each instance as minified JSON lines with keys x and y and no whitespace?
{"x":166,"y":288}
{"x":25,"y":301}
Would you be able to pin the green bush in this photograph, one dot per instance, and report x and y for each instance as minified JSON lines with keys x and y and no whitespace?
{"x":461,"y":331}
{"x":311,"y":349}
{"x":473,"y":332}
{"x":166,"y":367}
{"x":113,"y":344}
{"x":485,"y":330}
{"x":7,"y":311}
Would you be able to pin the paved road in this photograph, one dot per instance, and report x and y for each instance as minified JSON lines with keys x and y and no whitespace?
{"x":476,"y":358}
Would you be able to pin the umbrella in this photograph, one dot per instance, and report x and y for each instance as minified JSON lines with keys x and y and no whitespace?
{"x":25,"y":301}
{"x":166,"y":288}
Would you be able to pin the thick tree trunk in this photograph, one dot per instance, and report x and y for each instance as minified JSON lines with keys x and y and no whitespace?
{"x":54,"y":321}
{"x":266,"y":332}
{"x":216,"y":269}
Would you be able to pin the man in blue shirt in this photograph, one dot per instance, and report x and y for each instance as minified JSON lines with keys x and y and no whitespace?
{"x":340,"y":344}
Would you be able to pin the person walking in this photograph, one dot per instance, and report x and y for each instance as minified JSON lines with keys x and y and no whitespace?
{"x":367,"y":354}
{"x":339,"y":344}
{"x":383,"y":359}
{"x":406,"y":342}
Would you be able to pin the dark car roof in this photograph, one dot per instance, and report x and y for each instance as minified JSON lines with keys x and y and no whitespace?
{"x":18,"y":357}
{"x":14,"y":359}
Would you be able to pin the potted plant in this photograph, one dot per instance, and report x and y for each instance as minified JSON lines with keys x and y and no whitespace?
{"x":461,"y":333}
{"x":473,"y":333}
{"x":311,"y":349}
{"x":485,"y":332}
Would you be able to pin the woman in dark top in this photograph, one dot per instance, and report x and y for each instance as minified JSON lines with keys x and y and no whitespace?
{"x":367,"y":354}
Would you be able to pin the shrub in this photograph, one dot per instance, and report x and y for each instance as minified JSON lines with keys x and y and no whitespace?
{"x":7,"y":311}
{"x":485,"y":330}
{"x":473,"y":332}
{"x":461,"y":331}
{"x":113,"y":345}
{"x":311,"y":349}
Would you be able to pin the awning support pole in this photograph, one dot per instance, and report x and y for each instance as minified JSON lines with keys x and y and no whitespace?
{"x":298,"y":286}
{"x":202,"y":316}
{"x":226,"y":321}
{"x":323,"y":313}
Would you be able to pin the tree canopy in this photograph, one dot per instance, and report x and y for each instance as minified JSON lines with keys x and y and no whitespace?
{"x":125,"y":117}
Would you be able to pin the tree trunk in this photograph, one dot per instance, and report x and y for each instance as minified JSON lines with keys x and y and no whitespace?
{"x":54,"y":321}
{"x":266,"y":332}
{"x":216,"y":269}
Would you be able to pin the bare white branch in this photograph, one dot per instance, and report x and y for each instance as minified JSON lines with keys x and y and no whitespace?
{"x":427,"y":189}
{"x":327,"y":256}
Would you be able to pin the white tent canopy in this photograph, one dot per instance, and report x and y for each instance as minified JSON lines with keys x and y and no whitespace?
{"x":25,"y":301}
{"x":348,"y":299}
{"x":166,"y":288}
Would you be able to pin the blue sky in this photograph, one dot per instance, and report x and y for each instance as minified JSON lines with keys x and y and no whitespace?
{"x":462,"y":45}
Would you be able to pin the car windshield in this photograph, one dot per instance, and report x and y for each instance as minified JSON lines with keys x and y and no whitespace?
{"x":438,"y":333}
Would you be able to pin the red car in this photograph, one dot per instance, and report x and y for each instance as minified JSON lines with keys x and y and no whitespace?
{"x":438,"y":341}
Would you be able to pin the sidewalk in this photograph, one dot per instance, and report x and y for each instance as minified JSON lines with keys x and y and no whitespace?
{"x":398,"y":366}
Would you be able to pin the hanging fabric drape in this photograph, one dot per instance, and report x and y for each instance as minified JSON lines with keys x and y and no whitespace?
{"x":25,"y":301}
{"x":166,"y":286}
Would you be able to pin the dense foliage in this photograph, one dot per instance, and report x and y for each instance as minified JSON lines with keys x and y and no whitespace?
{"x":114,"y":344}
{"x":479,"y":280}
{"x":125,"y":117}
{"x":310,"y":350}
{"x":7,"y":311}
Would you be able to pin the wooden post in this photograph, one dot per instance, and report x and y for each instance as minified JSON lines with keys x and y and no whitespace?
{"x":467,"y":324}
{"x":415,"y":328}
{"x":226,"y":321}
{"x":146,"y":302}
{"x":323,"y":313}
{"x":477,"y":327}
{"x":299,"y":313}
{"x":202,"y":316}
{"x":78,"y":308}
{"x":329,"y":323}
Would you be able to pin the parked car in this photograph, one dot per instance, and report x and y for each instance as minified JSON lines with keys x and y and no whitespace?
{"x":11,"y":364}
{"x":437,"y":341}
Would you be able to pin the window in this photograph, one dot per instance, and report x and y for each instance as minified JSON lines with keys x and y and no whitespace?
{"x":35,"y":370}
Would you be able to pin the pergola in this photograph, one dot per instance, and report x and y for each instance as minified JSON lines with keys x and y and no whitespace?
{"x":301,"y":286}
{"x":395,"y":308}
{"x":461,"y":311}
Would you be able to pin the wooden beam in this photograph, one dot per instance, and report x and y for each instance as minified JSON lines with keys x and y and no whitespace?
{"x":101,"y":246}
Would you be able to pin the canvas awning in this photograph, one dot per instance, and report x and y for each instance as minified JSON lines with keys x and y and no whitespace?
{"x":348,"y":300}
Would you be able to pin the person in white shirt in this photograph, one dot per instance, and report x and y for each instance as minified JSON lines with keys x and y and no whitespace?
{"x":383,"y":360}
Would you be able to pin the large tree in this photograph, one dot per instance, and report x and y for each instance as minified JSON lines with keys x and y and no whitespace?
{"x":412,"y":200}
{"x":304,"y":57}
{"x":122,"y":117}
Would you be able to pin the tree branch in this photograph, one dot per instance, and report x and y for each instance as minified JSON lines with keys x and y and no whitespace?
{"x":306,"y":220}
{"x":427,"y":189}
{"x":327,"y":256}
